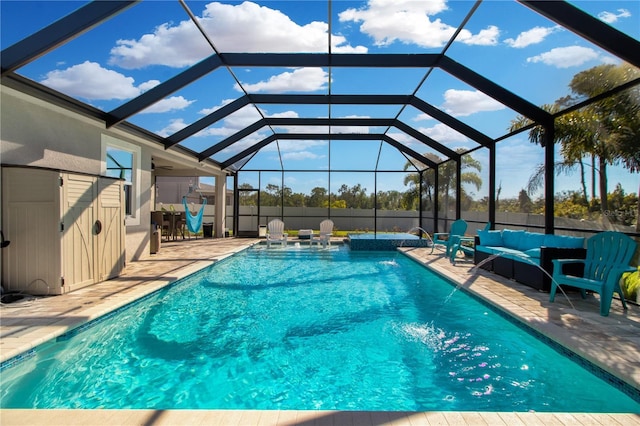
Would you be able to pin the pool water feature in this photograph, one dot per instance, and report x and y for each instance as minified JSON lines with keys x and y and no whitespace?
{"x":308,"y":329}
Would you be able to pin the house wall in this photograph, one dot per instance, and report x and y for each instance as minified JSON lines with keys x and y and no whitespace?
{"x":36,"y":133}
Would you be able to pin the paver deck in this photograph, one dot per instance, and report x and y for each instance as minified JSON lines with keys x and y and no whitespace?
{"x":612,"y":342}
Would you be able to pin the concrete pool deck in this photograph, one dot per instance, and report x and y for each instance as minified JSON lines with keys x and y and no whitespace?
{"x":612,"y":343}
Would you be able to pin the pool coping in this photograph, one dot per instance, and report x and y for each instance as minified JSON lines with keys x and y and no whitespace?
{"x":582,"y":331}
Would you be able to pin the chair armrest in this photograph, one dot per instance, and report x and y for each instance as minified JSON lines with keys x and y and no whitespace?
{"x":547,"y":254}
{"x":622,"y":269}
{"x":562,"y":262}
{"x":615,"y":275}
{"x":437,"y":234}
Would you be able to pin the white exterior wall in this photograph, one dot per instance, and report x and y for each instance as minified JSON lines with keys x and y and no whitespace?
{"x":36,"y":133}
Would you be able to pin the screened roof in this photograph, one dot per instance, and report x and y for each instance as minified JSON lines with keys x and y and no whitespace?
{"x":314,"y":85}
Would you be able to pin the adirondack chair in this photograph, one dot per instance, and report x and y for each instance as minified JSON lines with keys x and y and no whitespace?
{"x":467,"y":250}
{"x":275,"y":233}
{"x":326,"y":230}
{"x":608,"y":257}
{"x":448,"y":239}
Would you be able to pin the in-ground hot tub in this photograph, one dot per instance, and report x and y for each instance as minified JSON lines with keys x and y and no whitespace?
{"x":385,"y":241}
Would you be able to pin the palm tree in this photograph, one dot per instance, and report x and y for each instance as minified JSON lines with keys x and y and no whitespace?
{"x":605,"y":130}
{"x":446,"y":176}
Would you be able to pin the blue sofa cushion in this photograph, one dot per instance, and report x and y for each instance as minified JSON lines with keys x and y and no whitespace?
{"x":533,"y":253}
{"x":530,"y":240}
{"x":511,"y":238}
{"x":490,"y":238}
{"x":509,"y":253}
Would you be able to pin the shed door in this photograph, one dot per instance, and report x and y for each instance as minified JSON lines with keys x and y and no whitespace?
{"x":78,"y":246}
{"x":110,"y":240}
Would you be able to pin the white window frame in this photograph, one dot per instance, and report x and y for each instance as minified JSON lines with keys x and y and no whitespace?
{"x":108,"y":141}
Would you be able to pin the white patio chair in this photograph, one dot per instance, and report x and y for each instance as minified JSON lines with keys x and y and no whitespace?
{"x":276,"y":234}
{"x":326,"y":231}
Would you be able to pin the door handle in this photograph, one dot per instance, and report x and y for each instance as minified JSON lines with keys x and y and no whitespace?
{"x":97,"y":227}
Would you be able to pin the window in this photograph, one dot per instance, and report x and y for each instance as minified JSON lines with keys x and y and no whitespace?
{"x":120,"y":166}
{"x":122,"y":160}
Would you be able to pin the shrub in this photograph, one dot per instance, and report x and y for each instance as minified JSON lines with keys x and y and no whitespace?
{"x":631,"y":284}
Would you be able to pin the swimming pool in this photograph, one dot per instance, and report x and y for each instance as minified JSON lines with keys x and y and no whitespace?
{"x":216,"y":340}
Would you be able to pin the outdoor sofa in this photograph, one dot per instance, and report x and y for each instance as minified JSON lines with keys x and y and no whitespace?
{"x":525,"y":257}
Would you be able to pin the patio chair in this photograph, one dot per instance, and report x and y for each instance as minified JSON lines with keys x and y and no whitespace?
{"x":167,"y":225}
{"x":276,"y":234}
{"x":180,"y":223}
{"x":608,"y":257}
{"x":326,"y":231}
{"x":467,"y":249}
{"x":448,"y":239}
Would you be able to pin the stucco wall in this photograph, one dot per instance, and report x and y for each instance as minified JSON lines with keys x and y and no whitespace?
{"x":35,"y":133}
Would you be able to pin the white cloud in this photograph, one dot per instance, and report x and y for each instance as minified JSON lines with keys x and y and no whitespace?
{"x":231,"y":124}
{"x":444,"y":134}
{"x":298,"y":145}
{"x":242,"y":118}
{"x":408,"y":21}
{"x":168,"y":104}
{"x":207,"y":111}
{"x":422,"y":117}
{"x":300,"y":155}
{"x":177,"y":46}
{"x":565,"y":57}
{"x":174,"y":126}
{"x":245,"y":27}
{"x":243,"y":144}
{"x":610,"y":17}
{"x":284,"y":114}
{"x":486,"y":37}
{"x":302,"y":129}
{"x":299,"y":80}
{"x":89,"y":80}
{"x":533,"y":36}
{"x":297,"y":150}
{"x":467,"y":102}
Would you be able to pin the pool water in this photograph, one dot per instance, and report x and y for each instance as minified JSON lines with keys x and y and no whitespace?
{"x":308,"y":329}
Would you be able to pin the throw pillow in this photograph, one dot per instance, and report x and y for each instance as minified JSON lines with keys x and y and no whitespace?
{"x":511,"y":238}
{"x":490,"y":238}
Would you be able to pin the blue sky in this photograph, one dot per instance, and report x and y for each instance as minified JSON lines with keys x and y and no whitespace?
{"x":152,"y":41}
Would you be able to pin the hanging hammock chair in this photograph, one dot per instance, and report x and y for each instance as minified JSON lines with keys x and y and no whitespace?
{"x":194,"y":222}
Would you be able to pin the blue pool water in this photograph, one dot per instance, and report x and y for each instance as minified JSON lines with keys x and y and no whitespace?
{"x":308,"y":329}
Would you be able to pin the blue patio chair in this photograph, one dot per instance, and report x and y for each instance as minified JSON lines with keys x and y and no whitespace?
{"x":608,"y":257}
{"x":448,"y":239}
{"x":466,"y":249}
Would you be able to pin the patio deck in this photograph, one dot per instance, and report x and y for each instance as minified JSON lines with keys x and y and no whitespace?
{"x":613,"y":342}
